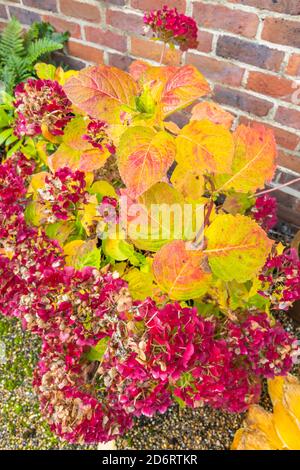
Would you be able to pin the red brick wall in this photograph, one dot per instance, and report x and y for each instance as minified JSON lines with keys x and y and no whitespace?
{"x":248,"y":49}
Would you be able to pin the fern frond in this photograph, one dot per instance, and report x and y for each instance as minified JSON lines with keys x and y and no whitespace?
{"x":8,"y":76}
{"x":16,"y":70}
{"x":41,"y":47}
{"x":11,"y":41}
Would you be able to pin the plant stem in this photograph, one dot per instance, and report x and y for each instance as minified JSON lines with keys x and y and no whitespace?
{"x":162,"y":54}
{"x":276,"y":187}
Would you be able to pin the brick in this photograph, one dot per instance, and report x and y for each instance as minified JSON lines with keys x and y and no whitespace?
{"x":291,"y":7}
{"x":64,"y":25}
{"x":117,"y":2}
{"x":142,"y":48}
{"x":87,"y":53}
{"x":217,"y":70}
{"x":72,"y":62}
{"x":146,"y":5}
{"x":281,"y":31}
{"x":288,"y":161}
{"x":49,"y":5}
{"x":82,"y":10}
{"x":125,"y":21}
{"x":3,"y":13}
{"x":221,"y":17}
{"x":249,"y":53}
{"x":272,"y":85}
{"x":288,"y":117}
{"x":204,"y":41}
{"x":119,"y":60}
{"x":106,"y":38}
{"x":23,"y":15}
{"x":286,"y":139}
{"x":293,"y":67}
{"x":241,"y":100}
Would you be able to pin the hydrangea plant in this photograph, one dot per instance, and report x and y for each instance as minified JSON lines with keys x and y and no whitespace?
{"x":136,"y":306}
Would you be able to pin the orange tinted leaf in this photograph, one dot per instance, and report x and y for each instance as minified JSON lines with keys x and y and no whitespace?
{"x":205,"y":146}
{"x":181,"y":273}
{"x":75,"y":152}
{"x":254,"y":160}
{"x":138,"y":69}
{"x":173,"y":87}
{"x":237,"y":247}
{"x":101,"y":91}
{"x":213,"y":112}
{"x":172,"y":127}
{"x":144,"y":157}
{"x":182,"y":88}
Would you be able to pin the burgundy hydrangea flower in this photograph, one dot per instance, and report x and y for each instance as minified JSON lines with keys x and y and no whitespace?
{"x":61,"y":194}
{"x":281,"y":279}
{"x":268,"y":349}
{"x":152,"y":354}
{"x":265,"y":211}
{"x":41,"y":103}
{"x":172,"y":27}
{"x":98,"y":137}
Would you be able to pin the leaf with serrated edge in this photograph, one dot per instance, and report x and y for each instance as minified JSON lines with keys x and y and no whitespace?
{"x":180,"y":272}
{"x":237,"y":247}
{"x":254,"y":160}
{"x":213,"y":112}
{"x":205,"y":146}
{"x":144,"y":158}
{"x":173,"y":87}
{"x":186,"y":85}
{"x":101,"y":92}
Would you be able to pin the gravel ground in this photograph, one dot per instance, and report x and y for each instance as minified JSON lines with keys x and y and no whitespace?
{"x":22,"y":426}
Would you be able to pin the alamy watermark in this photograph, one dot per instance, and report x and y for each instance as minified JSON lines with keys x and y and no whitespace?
{"x":137,"y":221}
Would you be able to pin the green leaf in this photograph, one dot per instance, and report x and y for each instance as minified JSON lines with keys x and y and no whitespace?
{"x":91,"y":258}
{"x":4,"y":135}
{"x":118,"y":250}
{"x":45,"y":71}
{"x":14,"y":148}
{"x":97,"y":352}
{"x":11,"y":139}
{"x":4,"y":118}
{"x":140,"y":284}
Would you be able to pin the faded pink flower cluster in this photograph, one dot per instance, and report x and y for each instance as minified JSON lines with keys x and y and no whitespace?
{"x":281,"y":279}
{"x":41,"y":103}
{"x":98,"y":137}
{"x":172,"y":27}
{"x":62,"y":192}
{"x":152,"y":356}
{"x":265,"y":211}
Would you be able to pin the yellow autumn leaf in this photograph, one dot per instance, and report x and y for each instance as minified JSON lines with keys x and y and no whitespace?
{"x":70,"y":250}
{"x":237,"y":247}
{"x":140,"y":284}
{"x":37,"y":182}
{"x":279,"y":430}
{"x":189,"y":182}
{"x":253,"y":163}
{"x":103,"y":188}
{"x":205,"y":146}
{"x":286,"y":427}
